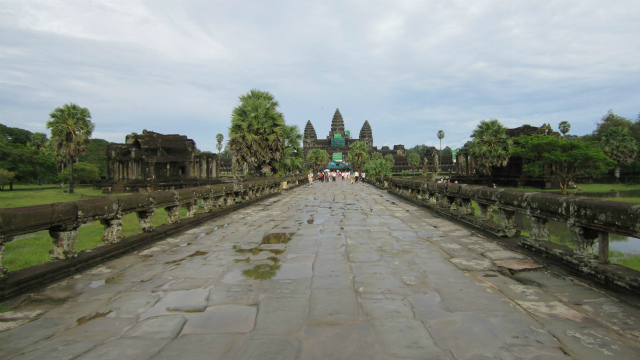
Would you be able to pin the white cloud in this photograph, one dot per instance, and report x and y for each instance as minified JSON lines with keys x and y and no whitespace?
{"x":411,"y":68}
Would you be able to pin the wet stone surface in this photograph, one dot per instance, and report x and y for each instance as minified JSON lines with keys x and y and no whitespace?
{"x":337,"y":271}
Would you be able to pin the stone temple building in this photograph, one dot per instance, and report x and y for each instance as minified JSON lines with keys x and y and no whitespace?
{"x":339,"y":140}
{"x":338,"y":143}
{"x":152,"y":158}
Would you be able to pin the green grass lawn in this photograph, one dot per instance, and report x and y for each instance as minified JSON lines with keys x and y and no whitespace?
{"x":29,"y":195}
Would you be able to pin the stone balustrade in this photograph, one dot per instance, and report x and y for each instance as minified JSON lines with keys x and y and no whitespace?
{"x":589,"y":220}
{"x":62,"y":220}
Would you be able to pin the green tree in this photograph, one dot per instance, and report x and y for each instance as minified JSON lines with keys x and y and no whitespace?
{"x":563,"y":158}
{"x":28,"y":163}
{"x":376,"y":156}
{"x":436,"y":163}
{"x":38,"y":141}
{"x":256,"y":135}
{"x":219,"y":139}
{"x":96,"y":154}
{"x":618,"y":144}
{"x":490,"y":146}
{"x":564,"y":127}
{"x":413,"y":160}
{"x":359,"y":154}
{"x":378,"y":167}
{"x":317,"y":158}
{"x":611,"y":120}
{"x":15,"y":135}
{"x":6,"y":177}
{"x":390,"y":159}
{"x":293,"y":158}
{"x":71,"y":129}
{"x":84,"y":173}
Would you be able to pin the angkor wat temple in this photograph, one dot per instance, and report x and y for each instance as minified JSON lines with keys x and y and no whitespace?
{"x":338,"y":143}
{"x":155,"y":161}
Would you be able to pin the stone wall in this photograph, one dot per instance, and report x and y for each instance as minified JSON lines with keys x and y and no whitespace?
{"x":590,"y":221}
{"x":62,"y":220}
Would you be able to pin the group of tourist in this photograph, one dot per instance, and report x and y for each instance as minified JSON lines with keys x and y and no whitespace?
{"x":331,"y":176}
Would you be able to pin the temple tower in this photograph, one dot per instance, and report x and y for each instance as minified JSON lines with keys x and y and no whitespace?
{"x":310,"y":137}
{"x":365,"y":134}
{"x":337,"y":125}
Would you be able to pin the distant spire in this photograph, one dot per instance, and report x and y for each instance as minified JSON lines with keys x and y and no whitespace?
{"x":310,"y":132}
{"x":337,"y":124}
{"x":365,"y":132}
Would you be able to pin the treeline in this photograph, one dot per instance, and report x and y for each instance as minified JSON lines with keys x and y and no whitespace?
{"x":29,"y":158}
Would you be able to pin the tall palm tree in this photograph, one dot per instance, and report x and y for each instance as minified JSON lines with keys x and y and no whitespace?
{"x":256,"y":135}
{"x":71,"y":129}
{"x":292,"y":158}
{"x":618,"y":144}
{"x":564,"y":127}
{"x":440,"y":136}
{"x":490,"y":146}
{"x":219,"y":139}
{"x":317,"y":158}
{"x":359,"y":154}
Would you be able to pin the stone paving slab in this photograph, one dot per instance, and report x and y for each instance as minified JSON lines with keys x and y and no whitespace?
{"x":364,"y":275}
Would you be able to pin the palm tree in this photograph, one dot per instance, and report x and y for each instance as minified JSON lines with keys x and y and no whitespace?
{"x":71,"y":129}
{"x":256,"y":135}
{"x":440,"y":136}
{"x":376,"y":156}
{"x":490,"y":146}
{"x":292,"y":159}
{"x":618,"y":144}
{"x":390,"y":159}
{"x":317,"y":158}
{"x":359,"y":154}
{"x":219,"y":139}
{"x":564,"y":127}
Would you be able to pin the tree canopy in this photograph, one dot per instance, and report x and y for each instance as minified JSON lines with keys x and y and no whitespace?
{"x":413,"y":160}
{"x":292,"y":157}
{"x":71,"y":129}
{"x":317,"y":158}
{"x":490,"y":145}
{"x":618,"y":144}
{"x":359,"y":154}
{"x":256,"y":135}
{"x":564,"y":159}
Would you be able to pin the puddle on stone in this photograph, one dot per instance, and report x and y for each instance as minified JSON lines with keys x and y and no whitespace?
{"x":263,"y":271}
{"x":95,"y":284}
{"x":113,"y":279}
{"x":489,"y":275}
{"x":85,"y":319}
{"x":310,"y":221}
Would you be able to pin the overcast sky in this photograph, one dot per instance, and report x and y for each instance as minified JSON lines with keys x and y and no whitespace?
{"x":410,"y":68}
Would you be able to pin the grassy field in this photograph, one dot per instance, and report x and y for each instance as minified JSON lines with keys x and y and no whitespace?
{"x":32,"y":249}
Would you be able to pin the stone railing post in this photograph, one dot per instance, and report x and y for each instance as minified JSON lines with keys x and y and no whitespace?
{"x":112,"y":230}
{"x":586,"y":238}
{"x":603,"y":247}
{"x":192,"y":208}
{"x":486,"y":211}
{"x":465,"y":206}
{"x":3,"y":240}
{"x":64,"y":241}
{"x":509,"y":226}
{"x":539,"y":228}
{"x":208,"y":204}
{"x":144,"y":217}
{"x":173,"y":214}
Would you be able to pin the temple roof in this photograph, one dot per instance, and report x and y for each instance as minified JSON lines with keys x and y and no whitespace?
{"x":337,"y":124}
{"x":365,"y":132}
{"x":310,"y":132}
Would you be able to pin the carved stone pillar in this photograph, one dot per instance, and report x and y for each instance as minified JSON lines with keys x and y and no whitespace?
{"x":586,"y":238}
{"x":192,"y":208}
{"x":509,"y":226}
{"x":442,"y":201}
{"x":173,"y":214}
{"x":465,"y":206}
{"x":3,"y":240}
{"x":208,"y":204}
{"x":486,"y":211}
{"x":539,"y":229}
{"x":64,"y":242}
{"x":453,"y":205}
{"x":144,"y":217}
{"x":112,"y":230}
{"x":603,"y":247}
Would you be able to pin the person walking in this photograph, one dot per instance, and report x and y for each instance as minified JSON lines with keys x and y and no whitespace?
{"x":310,"y":177}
